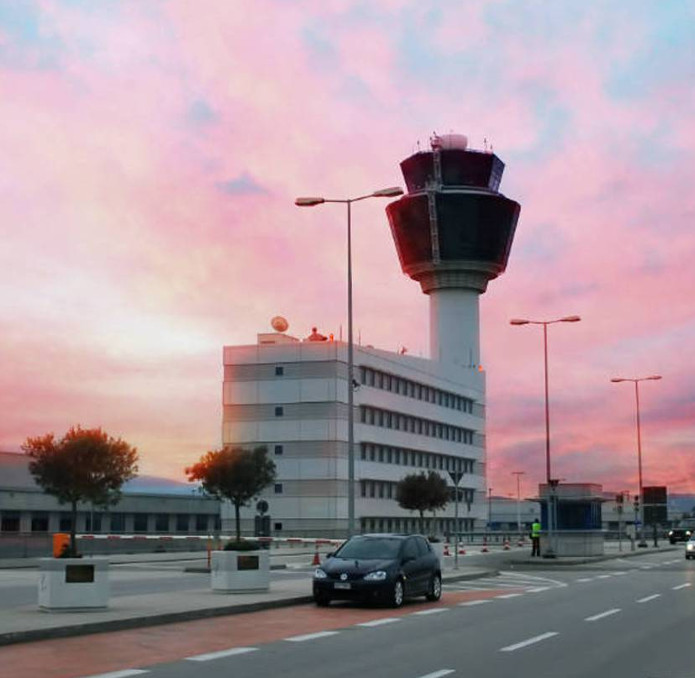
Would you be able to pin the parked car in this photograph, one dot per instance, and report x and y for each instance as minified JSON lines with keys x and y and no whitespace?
{"x":690,"y":548}
{"x":379,"y":567}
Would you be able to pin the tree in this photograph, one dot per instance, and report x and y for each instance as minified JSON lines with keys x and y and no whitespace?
{"x":234,"y":473}
{"x":422,"y":492}
{"x":84,"y":465}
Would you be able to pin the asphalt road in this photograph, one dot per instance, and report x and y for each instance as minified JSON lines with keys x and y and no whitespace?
{"x":631,"y":618}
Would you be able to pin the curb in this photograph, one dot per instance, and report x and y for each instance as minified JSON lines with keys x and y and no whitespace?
{"x":564,"y":562}
{"x":14,"y":637}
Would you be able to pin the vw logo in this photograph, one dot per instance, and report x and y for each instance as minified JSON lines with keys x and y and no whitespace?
{"x":343,"y":577}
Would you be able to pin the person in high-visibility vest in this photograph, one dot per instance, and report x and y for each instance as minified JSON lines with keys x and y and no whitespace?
{"x":536,"y":539}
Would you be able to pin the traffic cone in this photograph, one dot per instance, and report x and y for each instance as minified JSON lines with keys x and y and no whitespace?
{"x":520,"y":542}
{"x":317,"y":559}
{"x":462,"y":551}
{"x":446,"y":549}
{"x":484,"y":549}
{"x":506,"y":546}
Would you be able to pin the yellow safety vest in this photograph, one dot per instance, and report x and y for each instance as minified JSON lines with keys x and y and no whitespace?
{"x":536,"y":530}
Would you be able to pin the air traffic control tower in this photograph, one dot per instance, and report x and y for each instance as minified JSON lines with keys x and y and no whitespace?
{"x":453,"y":232}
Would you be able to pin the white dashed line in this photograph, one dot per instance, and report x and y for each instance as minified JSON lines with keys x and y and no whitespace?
{"x":439,"y":674}
{"x":619,"y":574}
{"x":474,"y":602}
{"x":436,"y":610}
{"x":682,"y":586}
{"x":311,"y":636}
{"x":538,"y":589}
{"x":607,"y":613}
{"x":119,"y":674}
{"x":585,"y":579}
{"x":509,"y":595}
{"x":222,"y":653}
{"x":603,"y":576}
{"x":648,"y":598}
{"x":379,"y":622}
{"x":530,"y":641}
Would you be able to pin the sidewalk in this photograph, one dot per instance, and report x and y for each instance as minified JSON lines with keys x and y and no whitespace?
{"x":611,"y":552}
{"x":28,"y":623}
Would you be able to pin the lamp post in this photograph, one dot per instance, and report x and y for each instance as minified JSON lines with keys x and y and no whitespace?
{"x":489,"y":509}
{"x":552,"y":484}
{"x":312,"y":202}
{"x":616,"y":380}
{"x":518,"y":475}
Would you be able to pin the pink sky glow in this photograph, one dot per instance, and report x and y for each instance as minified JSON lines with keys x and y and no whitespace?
{"x":152,"y":150}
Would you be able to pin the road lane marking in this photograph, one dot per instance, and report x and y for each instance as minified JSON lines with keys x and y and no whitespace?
{"x":648,"y":598}
{"x":538,"y":589}
{"x":530,"y":641}
{"x":607,"y":613}
{"x":585,"y":579}
{"x":619,"y":574}
{"x":603,"y":576}
{"x":682,"y":586}
{"x":509,"y":595}
{"x":222,"y":653}
{"x":433,"y":611}
{"x":439,"y":674}
{"x":119,"y":674}
{"x":474,"y":602}
{"x":379,"y":622}
{"x":311,"y":636}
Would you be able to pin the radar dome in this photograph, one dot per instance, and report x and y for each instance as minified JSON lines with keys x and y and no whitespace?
{"x":279,"y":324}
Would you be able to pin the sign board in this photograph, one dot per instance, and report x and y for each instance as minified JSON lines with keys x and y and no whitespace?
{"x":456,"y":476}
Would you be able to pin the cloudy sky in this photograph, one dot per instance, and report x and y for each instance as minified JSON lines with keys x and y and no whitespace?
{"x":150,"y":152}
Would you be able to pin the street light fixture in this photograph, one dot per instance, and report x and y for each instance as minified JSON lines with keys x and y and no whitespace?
{"x":552,"y":484}
{"x":311,"y":202}
{"x":617,"y":380}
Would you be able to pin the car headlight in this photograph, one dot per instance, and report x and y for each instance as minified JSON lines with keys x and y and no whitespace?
{"x":690,"y":546}
{"x":379,"y":575}
{"x":670,"y":532}
{"x":688,"y":533}
{"x":319,"y":573}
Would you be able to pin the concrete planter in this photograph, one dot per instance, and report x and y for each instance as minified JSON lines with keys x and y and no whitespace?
{"x":240,"y":571}
{"x":73,"y":584}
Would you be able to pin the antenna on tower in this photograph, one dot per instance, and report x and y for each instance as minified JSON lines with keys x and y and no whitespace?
{"x":485,"y":144}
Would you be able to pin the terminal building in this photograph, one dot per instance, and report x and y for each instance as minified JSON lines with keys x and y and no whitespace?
{"x":453,"y":232}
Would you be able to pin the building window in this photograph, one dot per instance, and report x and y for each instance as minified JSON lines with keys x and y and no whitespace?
{"x":161,"y":522}
{"x":279,"y":370}
{"x":279,"y":411}
{"x":278,"y":450}
{"x":9,"y":522}
{"x":39,"y":521}
{"x":94,"y":518}
{"x":182,"y":522}
{"x":201,"y":523}
{"x":277,"y":527}
{"x":118,"y":522}
{"x":278,"y":488}
{"x":140,"y":522}
{"x":65,"y":523}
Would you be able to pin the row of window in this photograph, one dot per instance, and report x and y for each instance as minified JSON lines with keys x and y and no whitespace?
{"x":413,"y":389}
{"x":397,"y":455}
{"x":386,"y":489}
{"x":405,"y":422}
{"x":116,"y":522}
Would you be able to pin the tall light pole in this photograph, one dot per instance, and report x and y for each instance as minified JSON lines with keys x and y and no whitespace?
{"x":489,"y":509}
{"x":312,"y":202}
{"x":616,"y":380}
{"x":552,"y":483}
{"x":518,"y":475}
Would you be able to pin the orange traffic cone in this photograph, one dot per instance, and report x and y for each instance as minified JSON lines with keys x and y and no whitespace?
{"x":446,"y":549}
{"x":462,"y":551}
{"x":506,"y":546}
{"x":317,"y":559}
{"x":484,"y":549}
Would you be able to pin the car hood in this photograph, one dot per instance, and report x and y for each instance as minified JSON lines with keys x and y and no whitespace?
{"x":352,"y":566}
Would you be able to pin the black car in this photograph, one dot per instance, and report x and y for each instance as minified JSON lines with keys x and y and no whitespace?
{"x":379,"y":567}
{"x":682,"y":532}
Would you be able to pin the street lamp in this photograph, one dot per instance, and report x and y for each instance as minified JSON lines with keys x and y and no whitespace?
{"x":616,"y":380}
{"x":552,"y":484}
{"x":311,"y":202}
{"x":518,"y":475}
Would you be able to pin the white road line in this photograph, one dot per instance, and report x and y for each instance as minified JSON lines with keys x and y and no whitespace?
{"x":538,"y":589}
{"x":509,"y":595}
{"x":436,"y":610}
{"x":603,"y":576}
{"x":619,"y":574}
{"x":585,"y":579}
{"x":474,"y":602}
{"x":682,"y":586}
{"x":119,"y":674}
{"x":222,"y":653}
{"x":379,"y":622}
{"x":607,"y":613}
{"x":530,"y":641}
{"x":311,"y":636}
{"x":648,"y":598}
{"x":439,"y":674}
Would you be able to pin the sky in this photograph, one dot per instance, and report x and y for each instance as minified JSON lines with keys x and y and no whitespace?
{"x":151,"y":151}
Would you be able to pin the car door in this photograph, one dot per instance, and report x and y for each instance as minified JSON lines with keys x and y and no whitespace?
{"x":410,"y":565}
{"x":426,"y":559}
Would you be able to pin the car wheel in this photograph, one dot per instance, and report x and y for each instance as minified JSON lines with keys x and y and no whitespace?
{"x":322,"y":600}
{"x":397,"y":594}
{"x":435,"y":589}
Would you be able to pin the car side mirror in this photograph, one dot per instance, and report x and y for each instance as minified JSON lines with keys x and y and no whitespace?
{"x":329,"y":555}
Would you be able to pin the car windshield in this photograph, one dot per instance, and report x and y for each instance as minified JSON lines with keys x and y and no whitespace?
{"x":369,"y":548}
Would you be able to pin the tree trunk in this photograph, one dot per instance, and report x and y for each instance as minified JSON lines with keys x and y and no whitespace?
{"x":238,"y":524}
{"x":73,"y":525}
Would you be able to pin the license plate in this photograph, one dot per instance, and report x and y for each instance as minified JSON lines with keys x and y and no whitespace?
{"x":340,"y":585}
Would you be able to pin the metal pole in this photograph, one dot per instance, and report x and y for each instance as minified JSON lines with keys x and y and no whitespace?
{"x":456,"y":528}
{"x":351,"y":414}
{"x":549,"y":552}
{"x":642,"y":542}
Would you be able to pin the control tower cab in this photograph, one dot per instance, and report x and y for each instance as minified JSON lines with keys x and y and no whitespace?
{"x":453,"y":232}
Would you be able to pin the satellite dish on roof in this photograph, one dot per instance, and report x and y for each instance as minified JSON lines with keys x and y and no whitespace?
{"x":279,"y":324}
